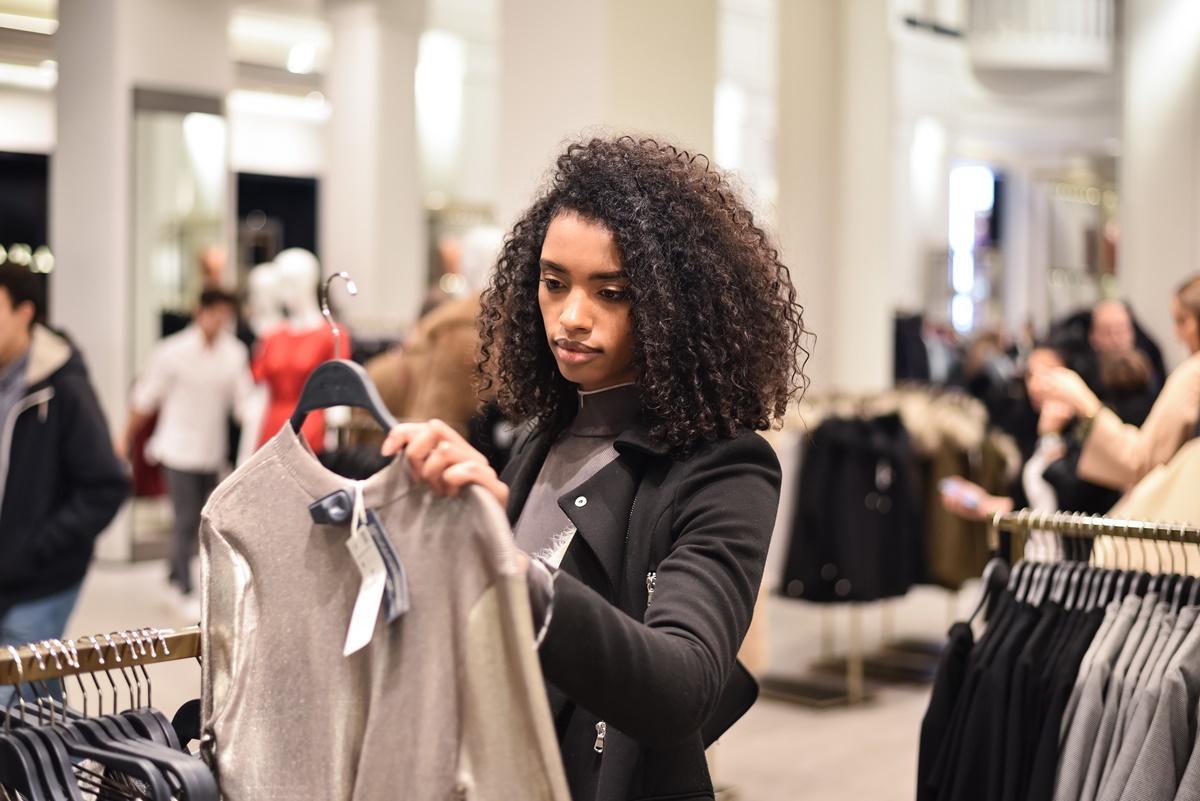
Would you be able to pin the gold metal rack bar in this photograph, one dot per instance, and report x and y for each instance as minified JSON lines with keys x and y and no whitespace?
{"x":57,"y":658}
{"x":1074,"y":524}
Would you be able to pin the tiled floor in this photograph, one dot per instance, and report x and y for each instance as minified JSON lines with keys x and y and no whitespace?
{"x":778,"y":752}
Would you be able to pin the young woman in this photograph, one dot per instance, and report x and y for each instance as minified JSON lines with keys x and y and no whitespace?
{"x":643,"y":324}
{"x":1118,"y":455}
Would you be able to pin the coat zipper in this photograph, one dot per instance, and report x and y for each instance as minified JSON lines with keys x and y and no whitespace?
{"x":601,"y":733}
{"x":651,"y":579}
{"x":42,"y":396}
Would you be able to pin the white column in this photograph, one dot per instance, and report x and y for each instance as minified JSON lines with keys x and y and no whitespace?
{"x":372,"y":218}
{"x":106,"y":48}
{"x":573,"y":67}
{"x":1160,"y":161}
{"x":836,"y":168}
{"x":809,"y":97}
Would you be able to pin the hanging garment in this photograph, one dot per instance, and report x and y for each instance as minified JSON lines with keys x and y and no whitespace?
{"x":447,"y":701}
{"x":858,"y":531}
{"x":284,"y":361}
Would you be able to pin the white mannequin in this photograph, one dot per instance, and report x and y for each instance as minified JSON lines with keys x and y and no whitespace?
{"x":480,"y":248}
{"x":299,"y":272}
{"x":264,"y":302}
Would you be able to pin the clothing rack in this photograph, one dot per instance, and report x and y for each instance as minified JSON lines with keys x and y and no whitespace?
{"x":1074,"y":524}
{"x":52,"y":659}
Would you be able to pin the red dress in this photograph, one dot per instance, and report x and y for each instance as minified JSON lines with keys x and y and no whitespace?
{"x":283,"y":361}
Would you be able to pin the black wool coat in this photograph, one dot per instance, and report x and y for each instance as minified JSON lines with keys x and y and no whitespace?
{"x":650,"y":670}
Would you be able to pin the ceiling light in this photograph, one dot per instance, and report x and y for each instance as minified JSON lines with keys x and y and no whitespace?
{"x":302,"y":58}
{"x":20,"y":22}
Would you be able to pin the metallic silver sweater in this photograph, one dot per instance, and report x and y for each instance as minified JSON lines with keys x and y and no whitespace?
{"x":446,"y":702}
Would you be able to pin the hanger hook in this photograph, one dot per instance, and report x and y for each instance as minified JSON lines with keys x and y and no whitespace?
{"x":1187,"y":568}
{"x":333,"y":326}
{"x":17,"y":695}
{"x":100,"y":660}
{"x":70,"y":645}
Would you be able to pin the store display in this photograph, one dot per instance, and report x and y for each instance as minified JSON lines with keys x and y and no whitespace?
{"x":1082,"y":687}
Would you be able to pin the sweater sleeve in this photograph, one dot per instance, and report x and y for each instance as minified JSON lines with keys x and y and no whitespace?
{"x":1118,"y":455}
{"x":658,"y":681}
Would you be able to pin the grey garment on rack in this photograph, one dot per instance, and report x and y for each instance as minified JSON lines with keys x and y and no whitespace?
{"x":1142,"y":709}
{"x":1152,"y":645}
{"x":1073,"y":761}
{"x":1189,"y":785}
{"x":1111,"y":612}
{"x":1142,"y":627}
{"x":1164,"y":756}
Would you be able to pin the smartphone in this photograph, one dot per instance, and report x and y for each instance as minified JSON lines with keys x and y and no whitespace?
{"x":960,"y":490}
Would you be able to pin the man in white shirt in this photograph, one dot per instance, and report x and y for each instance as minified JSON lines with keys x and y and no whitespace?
{"x":194,"y":380}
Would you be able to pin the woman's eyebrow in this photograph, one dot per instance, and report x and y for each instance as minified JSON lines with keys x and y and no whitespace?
{"x":610,"y":275}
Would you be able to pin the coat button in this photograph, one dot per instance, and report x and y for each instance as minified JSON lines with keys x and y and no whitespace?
{"x":581,"y":501}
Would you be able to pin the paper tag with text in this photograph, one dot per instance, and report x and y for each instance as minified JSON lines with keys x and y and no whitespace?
{"x":370,"y":594}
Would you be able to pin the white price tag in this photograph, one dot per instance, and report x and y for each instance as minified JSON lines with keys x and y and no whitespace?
{"x":374,"y":581}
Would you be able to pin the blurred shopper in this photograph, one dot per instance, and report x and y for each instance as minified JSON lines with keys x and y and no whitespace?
{"x":433,"y":374}
{"x":1048,"y":481}
{"x":1108,"y":327}
{"x":61,"y":482}
{"x":1116,"y":454}
{"x":195,"y":380}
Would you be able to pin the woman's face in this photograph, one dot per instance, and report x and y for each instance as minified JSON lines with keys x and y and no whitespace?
{"x":585,"y":303}
{"x":1187,"y":328}
{"x":1041,"y":362}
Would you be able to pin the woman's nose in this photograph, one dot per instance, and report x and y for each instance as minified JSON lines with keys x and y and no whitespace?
{"x":575,"y":313}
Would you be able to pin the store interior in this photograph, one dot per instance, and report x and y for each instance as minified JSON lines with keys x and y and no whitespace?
{"x":938,"y":174}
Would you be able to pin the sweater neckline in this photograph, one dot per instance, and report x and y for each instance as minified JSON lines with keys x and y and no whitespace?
{"x":385,"y":487}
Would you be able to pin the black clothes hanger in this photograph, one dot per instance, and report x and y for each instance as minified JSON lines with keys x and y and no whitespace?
{"x":995,"y":577}
{"x":339,"y":382}
{"x":116,"y":739}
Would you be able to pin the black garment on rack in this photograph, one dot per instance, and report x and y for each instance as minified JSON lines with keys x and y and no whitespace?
{"x":858,"y":533}
{"x":951,"y":673}
{"x":1044,"y":767}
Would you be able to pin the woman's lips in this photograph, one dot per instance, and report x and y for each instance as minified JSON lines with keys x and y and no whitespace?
{"x":574,"y":352}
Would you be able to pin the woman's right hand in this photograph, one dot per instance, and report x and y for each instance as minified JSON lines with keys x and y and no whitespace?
{"x":440,"y":456}
{"x":968,"y":500}
{"x":1064,"y":385}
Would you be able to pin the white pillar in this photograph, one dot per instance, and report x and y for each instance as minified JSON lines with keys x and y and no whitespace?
{"x":836,"y":168}
{"x":106,"y":49}
{"x":573,"y":67}
{"x":1160,"y":161}
{"x":809,"y":78}
{"x":372,"y":218}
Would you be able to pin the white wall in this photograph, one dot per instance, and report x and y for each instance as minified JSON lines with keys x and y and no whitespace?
{"x":26,"y":121}
{"x":274,"y":145}
{"x":1160,"y":165}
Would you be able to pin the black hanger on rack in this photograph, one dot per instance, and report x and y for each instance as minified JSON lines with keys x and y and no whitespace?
{"x":339,"y":382}
{"x":133,"y":744}
{"x":995,"y":576}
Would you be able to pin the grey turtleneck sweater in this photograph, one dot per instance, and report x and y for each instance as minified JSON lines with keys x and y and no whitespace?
{"x":543,"y":530}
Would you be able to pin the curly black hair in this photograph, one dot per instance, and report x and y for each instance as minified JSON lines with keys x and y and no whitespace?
{"x":719,"y":335}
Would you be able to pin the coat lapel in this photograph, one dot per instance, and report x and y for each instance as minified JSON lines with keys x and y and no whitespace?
{"x":599,"y":508}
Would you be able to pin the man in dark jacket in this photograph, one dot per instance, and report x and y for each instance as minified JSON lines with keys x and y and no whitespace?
{"x":60,"y":482}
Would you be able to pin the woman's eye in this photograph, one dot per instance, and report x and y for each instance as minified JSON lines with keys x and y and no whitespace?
{"x":552,"y":283}
{"x":614,"y":294}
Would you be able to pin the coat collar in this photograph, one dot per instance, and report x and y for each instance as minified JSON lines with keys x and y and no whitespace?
{"x":602,"y":518}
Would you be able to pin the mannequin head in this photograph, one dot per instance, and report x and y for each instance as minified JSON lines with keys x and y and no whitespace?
{"x":264,"y":304}
{"x":480,"y":249}
{"x":299,"y":272}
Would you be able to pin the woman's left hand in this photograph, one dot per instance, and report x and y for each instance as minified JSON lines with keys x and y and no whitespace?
{"x":440,"y":456}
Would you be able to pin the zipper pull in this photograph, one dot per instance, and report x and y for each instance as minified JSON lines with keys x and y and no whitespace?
{"x":651,"y":578}
{"x":601,"y":733}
